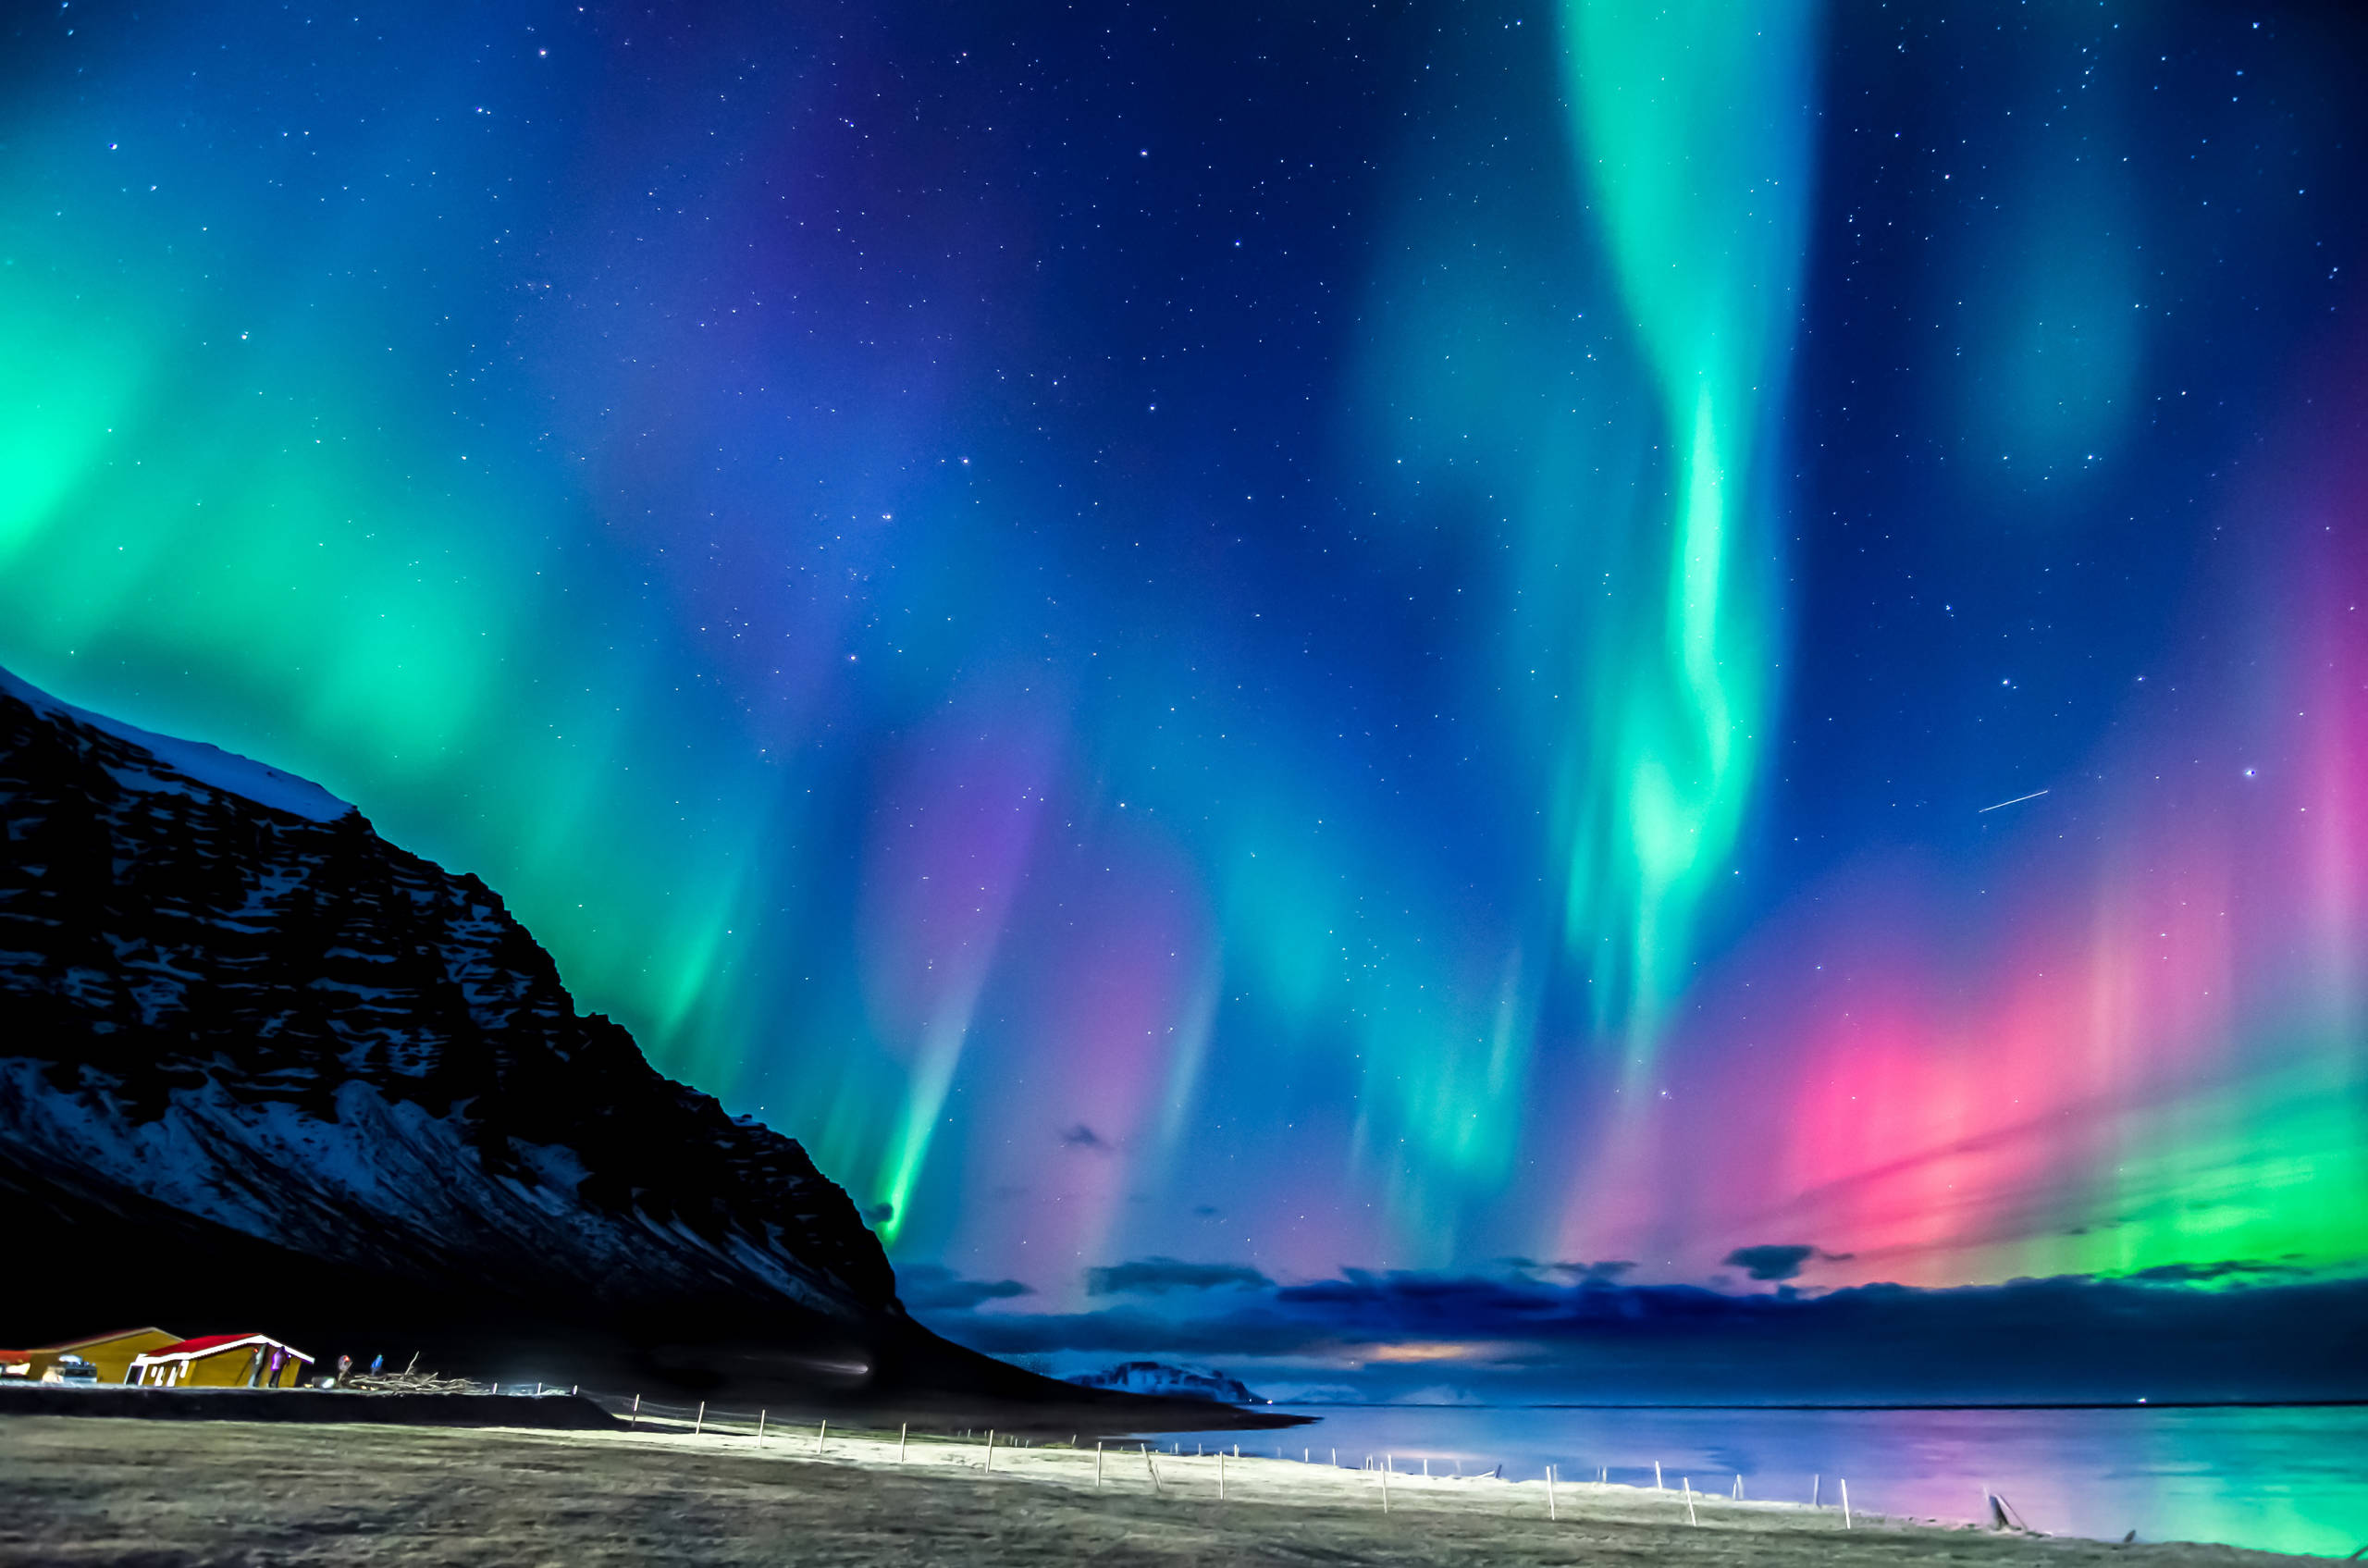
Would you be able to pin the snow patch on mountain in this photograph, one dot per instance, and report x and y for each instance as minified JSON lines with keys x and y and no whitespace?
{"x":1170,"y":1382}
{"x":187,"y":762}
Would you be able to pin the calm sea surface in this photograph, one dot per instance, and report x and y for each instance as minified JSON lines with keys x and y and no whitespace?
{"x":2283,"y":1479}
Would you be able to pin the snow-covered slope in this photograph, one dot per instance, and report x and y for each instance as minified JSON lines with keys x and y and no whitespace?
{"x":225,"y":1000}
{"x":1160,"y":1380}
{"x":191,"y":762}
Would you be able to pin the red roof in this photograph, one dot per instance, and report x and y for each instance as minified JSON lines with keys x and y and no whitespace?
{"x":203,"y":1343}
{"x":206,"y":1343}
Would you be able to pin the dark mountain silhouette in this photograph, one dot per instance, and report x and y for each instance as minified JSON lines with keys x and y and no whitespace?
{"x":261,"y":1069}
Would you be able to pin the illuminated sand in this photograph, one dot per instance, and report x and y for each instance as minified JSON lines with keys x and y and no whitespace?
{"x":167,"y":1496}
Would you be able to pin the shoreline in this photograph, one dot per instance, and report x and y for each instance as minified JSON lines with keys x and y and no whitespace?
{"x":98,"y":1493}
{"x":2022,"y":1404}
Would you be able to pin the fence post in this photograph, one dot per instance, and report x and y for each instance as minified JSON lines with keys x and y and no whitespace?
{"x":761,"y":1425}
{"x":1385,"y":1484}
{"x":991,"y":1448}
{"x":1549,"y":1491}
{"x":1657,"y":1477}
{"x":700,"y":1420}
{"x":1097,"y":1464}
{"x":1220,"y":1474}
{"x":634,"y":1421}
{"x":1816,"y":1487}
{"x":902,"y":1427}
{"x":1845,"y":1503}
{"x":1689,"y":1501}
{"x":821,"y":1439}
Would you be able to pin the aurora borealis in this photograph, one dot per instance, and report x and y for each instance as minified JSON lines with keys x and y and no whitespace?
{"x":1364,"y":639}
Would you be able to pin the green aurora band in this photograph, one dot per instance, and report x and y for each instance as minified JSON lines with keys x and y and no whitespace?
{"x":1692,"y":121}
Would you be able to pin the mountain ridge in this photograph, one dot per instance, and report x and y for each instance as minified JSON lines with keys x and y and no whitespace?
{"x":262,"y":1009}
{"x":260,"y":1065}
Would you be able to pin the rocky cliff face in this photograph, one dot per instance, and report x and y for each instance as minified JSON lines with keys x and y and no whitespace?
{"x":252,"y":1053}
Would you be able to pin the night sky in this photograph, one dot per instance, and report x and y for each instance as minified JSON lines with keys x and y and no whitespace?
{"x":1367,"y":643}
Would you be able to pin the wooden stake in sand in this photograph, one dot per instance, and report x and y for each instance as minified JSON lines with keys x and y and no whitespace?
{"x":1097,"y":1464}
{"x":1384,"y":1488}
{"x":1549,"y":1491}
{"x":761,"y":1425}
{"x":991,"y":1447}
{"x":901,"y":1428}
{"x":1153,"y":1466}
{"x":1688,"y":1482}
{"x":699,"y":1420}
{"x":1845,"y":1503}
{"x":1220,"y":1474}
{"x":820,"y":1439}
{"x":633,"y":1420}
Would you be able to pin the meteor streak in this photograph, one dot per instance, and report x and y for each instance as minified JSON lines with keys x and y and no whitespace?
{"x":2017,"y":801}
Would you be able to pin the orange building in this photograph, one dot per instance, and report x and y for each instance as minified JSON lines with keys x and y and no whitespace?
{"x":111,"y":1353}
{"x":221,"y":1361}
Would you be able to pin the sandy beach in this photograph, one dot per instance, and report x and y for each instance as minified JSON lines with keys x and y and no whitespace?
{"x":169,"y":1495}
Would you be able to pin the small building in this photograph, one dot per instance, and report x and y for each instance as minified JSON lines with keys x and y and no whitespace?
{"x":111,"y":1353}
{"x":221,"y":1361}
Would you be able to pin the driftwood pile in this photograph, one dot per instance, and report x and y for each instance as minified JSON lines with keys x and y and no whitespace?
{"x":409,"y":1383}
{"x":410,"y":1380}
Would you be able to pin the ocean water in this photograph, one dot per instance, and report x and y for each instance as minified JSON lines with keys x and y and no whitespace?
{"x":2281,"y":1478}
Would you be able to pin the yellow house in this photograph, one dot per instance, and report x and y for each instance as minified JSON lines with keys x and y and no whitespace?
{"x":221,"y":1361}
{"x":111,"y":1353}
